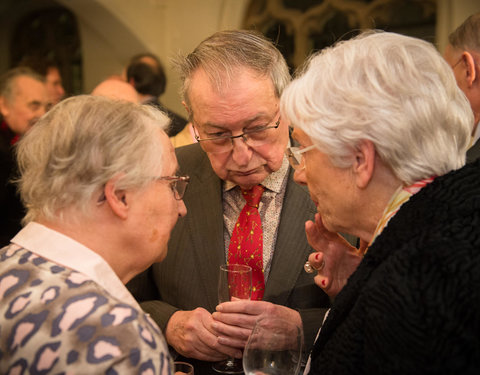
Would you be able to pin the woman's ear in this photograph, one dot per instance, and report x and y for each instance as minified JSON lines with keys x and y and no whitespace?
{"x":364,"y":163}
{"x":117,"y":199}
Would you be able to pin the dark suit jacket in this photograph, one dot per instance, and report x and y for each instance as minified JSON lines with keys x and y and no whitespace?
{"x":188,"y":277}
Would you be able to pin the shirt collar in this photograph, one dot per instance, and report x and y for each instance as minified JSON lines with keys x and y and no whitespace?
{"x":69,"y":253}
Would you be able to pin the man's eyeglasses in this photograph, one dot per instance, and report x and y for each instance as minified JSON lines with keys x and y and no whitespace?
{"x":255,"y":136}
{"x":295,"y":156}
{"x":178,"y":184}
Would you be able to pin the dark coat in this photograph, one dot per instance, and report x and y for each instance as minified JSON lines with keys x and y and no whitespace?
{"x":413,"y":304}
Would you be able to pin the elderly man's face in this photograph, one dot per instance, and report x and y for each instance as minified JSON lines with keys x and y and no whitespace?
{"x":249,"y":102}
{"x":28,"y":103}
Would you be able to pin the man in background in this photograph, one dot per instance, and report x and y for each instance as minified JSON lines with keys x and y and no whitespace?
{"x":463,"y":55}
{"x":23,"y":100}
{"x":146,"y":74}
{"x":116,"y":89}
{"x":50,"y":70}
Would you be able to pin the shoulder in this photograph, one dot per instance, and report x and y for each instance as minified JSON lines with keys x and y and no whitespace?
{"x":69,"y":314}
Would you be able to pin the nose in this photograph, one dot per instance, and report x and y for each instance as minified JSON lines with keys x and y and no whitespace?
{"x":182,"y":209}
{"x":299,"y":176}
{"x":241,"y":153}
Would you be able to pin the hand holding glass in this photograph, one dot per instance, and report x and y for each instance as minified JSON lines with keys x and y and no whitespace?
{"x":235,"y":281}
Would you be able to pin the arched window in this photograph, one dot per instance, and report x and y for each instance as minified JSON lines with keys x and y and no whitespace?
{"x":52,"y":33}
{"x":303,"y":26}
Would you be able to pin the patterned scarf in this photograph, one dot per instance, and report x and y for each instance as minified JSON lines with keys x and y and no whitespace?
{"x":401,"y":195}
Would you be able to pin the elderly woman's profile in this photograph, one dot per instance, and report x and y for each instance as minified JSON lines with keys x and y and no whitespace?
{"x":100,"y":207}
{"x":382,"y":130}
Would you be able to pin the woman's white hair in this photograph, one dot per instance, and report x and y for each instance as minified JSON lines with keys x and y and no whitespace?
{"x":393,"y":90}
{"x":81,"y":143}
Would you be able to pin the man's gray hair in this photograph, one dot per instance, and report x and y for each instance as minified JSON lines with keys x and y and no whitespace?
{"x":393,"y":90}
{"x":221,"y":54}
{"x":467,"y":35}
{"x":8,"y":79}
{"x":66,"y":159}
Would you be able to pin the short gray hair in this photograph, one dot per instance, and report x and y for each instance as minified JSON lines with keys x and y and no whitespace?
{"x":225,"y":51}
{"x":393,"y":90}
{"x":79,"y":145}
{"x":467,"y":35}
{"x":8,"y":79}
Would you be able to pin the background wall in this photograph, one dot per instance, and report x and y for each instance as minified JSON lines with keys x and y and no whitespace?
{"x":111,"y":31}
{"x":114,"y":30}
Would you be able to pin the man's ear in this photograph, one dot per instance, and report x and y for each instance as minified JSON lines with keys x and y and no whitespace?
{"x":187,"y":108}
{"x":364,"y":163}
{"x":3,"y":106}
{"x":469,"y":65}
{"x":117,"y":199}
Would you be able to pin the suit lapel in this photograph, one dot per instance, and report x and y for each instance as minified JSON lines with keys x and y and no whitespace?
{"x":205,"y":225}
{"x":291,"y":248}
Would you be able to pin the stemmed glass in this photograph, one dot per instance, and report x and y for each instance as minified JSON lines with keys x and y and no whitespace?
{"x":235,"y":281}
{"x":274,"y":347}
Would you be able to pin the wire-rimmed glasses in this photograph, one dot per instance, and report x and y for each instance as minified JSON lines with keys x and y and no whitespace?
{"x":178,"y":184}
{"x":295,"y":157}
{"x":253,"y":137}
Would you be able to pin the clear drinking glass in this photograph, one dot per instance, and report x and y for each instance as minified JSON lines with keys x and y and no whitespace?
{"x":235,"y":281}
{"x":182,"y":368}
{"x":274,"y":347}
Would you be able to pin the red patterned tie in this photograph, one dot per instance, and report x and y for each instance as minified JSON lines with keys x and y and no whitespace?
{"x":246,"y":244}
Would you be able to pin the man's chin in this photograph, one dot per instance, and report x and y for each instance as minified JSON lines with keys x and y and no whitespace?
{"x":249,"y":180}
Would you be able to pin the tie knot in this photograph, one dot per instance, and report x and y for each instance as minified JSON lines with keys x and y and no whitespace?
{"x":253,"y":195}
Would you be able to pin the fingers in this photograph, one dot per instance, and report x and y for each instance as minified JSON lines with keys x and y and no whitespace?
{"x":191,"y":334}
{"x":318,"y":264}
{"x":323,"y":282}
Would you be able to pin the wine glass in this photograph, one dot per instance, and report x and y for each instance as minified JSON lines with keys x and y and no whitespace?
{"x":235,"y":281}
{"x":274,"y":347}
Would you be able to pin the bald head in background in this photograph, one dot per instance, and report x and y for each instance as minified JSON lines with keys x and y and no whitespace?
{"x":116,"y":89}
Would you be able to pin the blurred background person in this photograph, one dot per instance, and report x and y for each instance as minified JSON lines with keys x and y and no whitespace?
{"x":145,"y":72}
{"x":23,"y":100}
{"x":185,"y":137}
{"x":116,"y":89}
{"x":463,"y":55}
{"x":50,"y":70}
{"x":100,"y":208}
{"x":383,"y":129}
